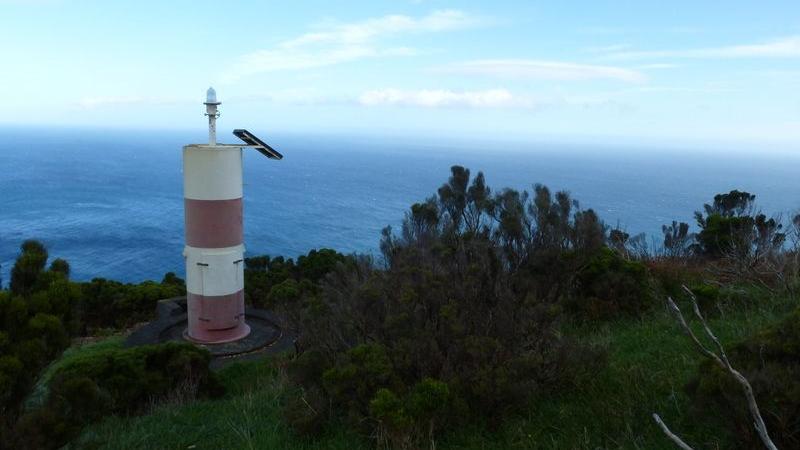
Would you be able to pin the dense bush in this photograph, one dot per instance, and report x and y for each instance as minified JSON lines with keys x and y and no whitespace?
{"x":33,"y":314}
{"x":111,"y":304}
{"x":454,"y":328}
{"x":770,"y":361}
{"x":29,"y":265}
{"x":609,"y":286}
{"x":709,"y":299}
{"x":732,"y":228}
{"x":43,"y":309}
{"x":117,"y":381}
{"x":272,"y":282}
{"x":670,"y":275}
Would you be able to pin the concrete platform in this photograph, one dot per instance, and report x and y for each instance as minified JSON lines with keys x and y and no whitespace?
{"x":267,"y":335}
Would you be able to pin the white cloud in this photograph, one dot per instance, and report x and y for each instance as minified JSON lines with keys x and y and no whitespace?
{"x":294,"y":96}
{"x":367,"y":30}
{"x":341,"y":43}
{"x":604,"y":30}
{"x":548,"y":70}
{"x":788,"y":47}
{"x":444,"y":98}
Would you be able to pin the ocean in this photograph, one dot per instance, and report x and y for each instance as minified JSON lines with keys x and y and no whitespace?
{"x":111,"y":202}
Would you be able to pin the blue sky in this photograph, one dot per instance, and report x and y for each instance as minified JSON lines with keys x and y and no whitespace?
{"x":659,"y":71}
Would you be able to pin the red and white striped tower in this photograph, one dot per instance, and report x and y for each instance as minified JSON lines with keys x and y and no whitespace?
{"x":214,"y":252}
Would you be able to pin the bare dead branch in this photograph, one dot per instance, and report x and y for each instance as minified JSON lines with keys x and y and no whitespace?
{"x":721,"y":359}
{"x":688,"y":331}
{"x":725,"y":363}
{"x":672,"y":436}
{"x":722,"y":355}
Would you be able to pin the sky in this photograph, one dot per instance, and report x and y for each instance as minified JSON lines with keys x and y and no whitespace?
{"x":654,"y":70}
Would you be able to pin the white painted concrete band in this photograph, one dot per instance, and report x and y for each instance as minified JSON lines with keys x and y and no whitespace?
{"x":212,"y":272}
{"x":213,"y":251}
{"x":212,"y":172}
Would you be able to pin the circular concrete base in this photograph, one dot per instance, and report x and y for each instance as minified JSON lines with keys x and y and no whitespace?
{"x":264,"y":334}
{"x":261,"y":334}
{"x":230,"y":335}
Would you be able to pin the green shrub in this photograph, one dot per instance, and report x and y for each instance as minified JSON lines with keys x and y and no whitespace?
{"x":428,"y":400}
{"x":272,"y":282}
{"x":720,"y":235}
{"x":318,"y":263}
{"x":732,"y":229}
{"x":708,"y":298}
{"x":10,"y":369}
{"x":43,"y":309}
{"x":32,"y":317}
{"x":173,"y":280}
{"x":50,"y":330}
{"x":670,"y":275}
{"x":60,"y":266}
{"x":28,"y":266}
{"x":609,"y":286}
{"x":353,"y":381}
{"x":140,"y":374}
{"x":261,"y":273}
{"x":43,"y":429}
{"x":770,"y":361}
{"x":416,"y":416}
{"x":285,"y":292}
{"x":304,"y":412}
{"x":111,"y":304}
{"x":115,"y":381}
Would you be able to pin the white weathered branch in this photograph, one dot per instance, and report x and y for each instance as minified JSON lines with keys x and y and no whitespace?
{"x":672,"y":436}
{"x":721,"y":359}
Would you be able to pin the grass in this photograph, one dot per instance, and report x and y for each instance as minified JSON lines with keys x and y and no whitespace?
{"x":650,"y":362}
{"x":248,"y":417}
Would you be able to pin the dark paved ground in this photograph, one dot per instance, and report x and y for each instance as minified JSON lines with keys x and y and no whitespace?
{"x":267,"y":336}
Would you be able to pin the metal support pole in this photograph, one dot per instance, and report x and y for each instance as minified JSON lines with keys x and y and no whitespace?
{"x":212,"y":113}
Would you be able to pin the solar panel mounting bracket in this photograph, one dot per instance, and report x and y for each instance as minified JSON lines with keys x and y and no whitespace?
{"x":254,"y":142}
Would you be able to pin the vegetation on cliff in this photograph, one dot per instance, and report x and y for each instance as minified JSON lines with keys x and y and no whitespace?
{"x":491,"y":319}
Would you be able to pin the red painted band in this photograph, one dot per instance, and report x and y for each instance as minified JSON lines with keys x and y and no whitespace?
{"x":213,"y":223}
{"x":216,"y":318}
{"x":220,"y":336}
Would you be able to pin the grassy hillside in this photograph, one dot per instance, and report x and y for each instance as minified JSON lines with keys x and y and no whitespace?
{"x":650,"y":361}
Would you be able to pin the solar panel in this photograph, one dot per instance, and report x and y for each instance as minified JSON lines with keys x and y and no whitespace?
{"x":257,"y":143}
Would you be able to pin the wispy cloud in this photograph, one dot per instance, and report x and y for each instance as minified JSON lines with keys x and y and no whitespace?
{"x":626,"y":30}
{"x":341,"y":43}
{"x":788,"y":47}
{"x":548,"y":70}
{"x":445,"y":98}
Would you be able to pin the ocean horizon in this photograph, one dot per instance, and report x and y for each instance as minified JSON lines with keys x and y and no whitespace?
{"x":110,"y":202}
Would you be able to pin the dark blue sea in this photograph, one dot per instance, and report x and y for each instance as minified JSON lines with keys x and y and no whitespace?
{"x":110,"y":202}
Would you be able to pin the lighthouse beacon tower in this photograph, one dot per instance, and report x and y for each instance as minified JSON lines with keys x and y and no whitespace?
{"x":214,"y":252}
